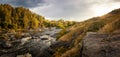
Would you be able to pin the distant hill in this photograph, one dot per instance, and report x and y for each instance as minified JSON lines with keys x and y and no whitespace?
{"x":106,"y":24}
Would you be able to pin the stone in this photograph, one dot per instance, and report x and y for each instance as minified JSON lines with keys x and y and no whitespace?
{"x":25,"y":55}
{"x":101,"y":45}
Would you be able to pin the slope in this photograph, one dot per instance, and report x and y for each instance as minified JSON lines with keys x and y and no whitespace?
{"x":103,"y":24}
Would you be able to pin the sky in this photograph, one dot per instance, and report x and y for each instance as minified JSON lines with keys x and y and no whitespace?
{"x":73,"y":10}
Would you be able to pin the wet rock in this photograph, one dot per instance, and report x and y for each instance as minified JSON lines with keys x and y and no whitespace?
{"x":7,"y":45}
{"x":8,"y":55}
{"x":25,"y":55}
{"x":28,"y":44}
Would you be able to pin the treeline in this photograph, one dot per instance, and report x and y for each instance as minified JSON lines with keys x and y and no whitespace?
{"x":59,"y":24}
{"x":22,"y":18}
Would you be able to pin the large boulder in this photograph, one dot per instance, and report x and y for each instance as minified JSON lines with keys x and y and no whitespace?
{"x":101,"y":45}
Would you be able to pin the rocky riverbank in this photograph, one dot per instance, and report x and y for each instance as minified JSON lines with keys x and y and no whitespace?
{"x":29,"y":45}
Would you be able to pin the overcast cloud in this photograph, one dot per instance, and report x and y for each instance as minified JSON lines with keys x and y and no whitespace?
{"x":67,"y":9}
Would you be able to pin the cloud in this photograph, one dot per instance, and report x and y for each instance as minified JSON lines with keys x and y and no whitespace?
{"x":76,"y":9}
{"x":116,"y":0}
{"x":67,"y":9}
{"x":24,"y":3}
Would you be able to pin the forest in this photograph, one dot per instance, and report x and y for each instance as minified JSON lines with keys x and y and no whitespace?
{"x":22,"y":18}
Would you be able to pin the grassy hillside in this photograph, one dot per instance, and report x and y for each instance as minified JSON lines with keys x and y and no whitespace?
{"x":104,"y":24}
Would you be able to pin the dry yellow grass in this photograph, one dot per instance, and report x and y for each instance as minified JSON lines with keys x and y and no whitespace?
{"x":103,"y":24}
{"x":110,"y":27}
{"x":70,"y":52}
